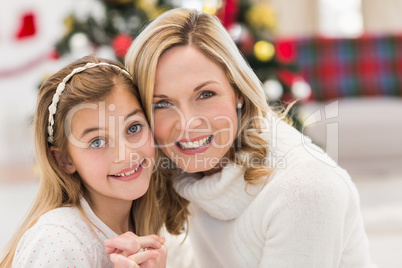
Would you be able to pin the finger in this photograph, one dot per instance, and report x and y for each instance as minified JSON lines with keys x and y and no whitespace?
{"x":124,"y":243}
{"x":161,"y":260}
{"x":110,"y":250}
{"x":163,"y":250}
{"x":120,"y":261}
{"x":150,"y":241}
{"x":126,"y":235}
{"x":144,"y":256}
{"x":131,"y":243}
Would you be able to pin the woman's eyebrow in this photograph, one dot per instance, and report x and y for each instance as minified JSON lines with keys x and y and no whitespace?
{"x":203,"y":84}
{"x":160,"y":96}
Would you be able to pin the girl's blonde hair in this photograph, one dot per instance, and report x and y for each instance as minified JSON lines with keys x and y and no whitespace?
{"x":184,"y":27}
{"x":58,"y":189}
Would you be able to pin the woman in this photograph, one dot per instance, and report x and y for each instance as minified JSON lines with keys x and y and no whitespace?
{"x":242,"y":178}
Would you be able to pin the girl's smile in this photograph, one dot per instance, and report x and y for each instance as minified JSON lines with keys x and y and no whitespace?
{"x":129,"y":173}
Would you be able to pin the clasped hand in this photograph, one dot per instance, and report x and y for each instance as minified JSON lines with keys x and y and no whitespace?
{"x":125,"y":251}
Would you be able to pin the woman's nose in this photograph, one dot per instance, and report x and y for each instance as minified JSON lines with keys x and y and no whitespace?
{"x":188,"y":119}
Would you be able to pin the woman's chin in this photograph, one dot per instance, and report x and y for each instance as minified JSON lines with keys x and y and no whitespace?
{"x":201,"y":168}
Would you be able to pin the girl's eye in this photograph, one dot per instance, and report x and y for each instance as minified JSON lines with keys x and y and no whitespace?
{"x":98,"y":143}
{"x":162,"y":104}
{"x":206,"y":94}
{"x":134,"y":128}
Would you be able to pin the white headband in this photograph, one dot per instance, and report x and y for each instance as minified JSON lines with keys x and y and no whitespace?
{"x":62,"y":86}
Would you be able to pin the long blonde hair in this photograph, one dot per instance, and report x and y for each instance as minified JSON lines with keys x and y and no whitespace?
{"x":57,"y":188}
{"x":184,"y":27}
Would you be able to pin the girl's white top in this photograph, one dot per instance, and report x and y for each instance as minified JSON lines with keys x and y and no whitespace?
{"x":306,"y":215}
{"x":61,"y":238}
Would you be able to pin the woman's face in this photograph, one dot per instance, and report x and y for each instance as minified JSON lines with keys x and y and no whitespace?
{"x":195,"y":113}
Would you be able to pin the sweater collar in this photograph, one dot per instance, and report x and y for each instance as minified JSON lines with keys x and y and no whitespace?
{"x":223,"y":195}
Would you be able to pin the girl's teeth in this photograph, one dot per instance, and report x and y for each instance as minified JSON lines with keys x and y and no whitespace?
{"x":127,"y":173}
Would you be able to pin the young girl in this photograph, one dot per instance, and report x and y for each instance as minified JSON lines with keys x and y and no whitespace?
{"x":96,"y":155}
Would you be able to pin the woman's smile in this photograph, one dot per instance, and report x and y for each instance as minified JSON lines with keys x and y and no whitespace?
{"x":195,"y":146}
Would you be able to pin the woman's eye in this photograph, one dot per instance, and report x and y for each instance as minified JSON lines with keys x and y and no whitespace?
{"x":134,"y":128}
{"x":206,"y":94}
{"x":162,"y":104}
{"x":98,"y":143}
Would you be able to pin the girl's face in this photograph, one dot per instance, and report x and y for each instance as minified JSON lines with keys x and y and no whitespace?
{"x":111,"y":147}
{"x":194,"y":110}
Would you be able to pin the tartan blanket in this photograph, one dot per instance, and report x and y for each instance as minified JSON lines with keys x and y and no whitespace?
{"x":353,"y":67}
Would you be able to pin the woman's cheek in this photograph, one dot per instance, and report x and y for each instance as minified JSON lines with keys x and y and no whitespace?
{"x":161,"y":130}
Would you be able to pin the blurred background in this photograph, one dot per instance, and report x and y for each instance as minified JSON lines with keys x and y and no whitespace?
{"x":342,"y":59}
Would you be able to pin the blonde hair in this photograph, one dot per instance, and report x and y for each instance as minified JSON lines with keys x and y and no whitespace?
{"x":184,"y":27}
{"x":57,"y":188}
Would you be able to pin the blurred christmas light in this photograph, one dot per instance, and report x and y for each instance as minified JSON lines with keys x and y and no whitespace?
{"x":80,"y":45}
{"x":261,"y":16}
{"x":121,"y":43}
{"x":211,"y":6}
{"x":193,"y":4}
{"x":273,"y":89}
{"x":301,"y":89}
{"x":264,"y":51}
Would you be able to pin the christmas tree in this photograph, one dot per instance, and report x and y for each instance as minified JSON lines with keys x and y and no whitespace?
{"x":107,"y":28}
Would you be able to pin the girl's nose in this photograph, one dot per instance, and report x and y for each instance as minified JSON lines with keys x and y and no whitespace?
{"x":119,"y":151}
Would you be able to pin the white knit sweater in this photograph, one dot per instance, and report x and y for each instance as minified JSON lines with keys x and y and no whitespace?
{"x":306,"y":215}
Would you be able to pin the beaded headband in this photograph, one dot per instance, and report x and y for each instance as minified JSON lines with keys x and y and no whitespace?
{"x":62,"y":86}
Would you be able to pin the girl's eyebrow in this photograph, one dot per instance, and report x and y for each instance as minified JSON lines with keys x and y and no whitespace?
{"x":133,"y":113}
{"x":203,"y":84}
{"x":91,"y":129}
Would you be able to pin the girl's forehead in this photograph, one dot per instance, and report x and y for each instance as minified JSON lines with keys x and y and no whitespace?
{"x":122,"y":90}
{"x":114,"y":112}
{"x":120,"y":101}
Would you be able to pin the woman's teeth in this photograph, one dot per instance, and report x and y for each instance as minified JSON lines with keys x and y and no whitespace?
{"x":195,"y":144}
{"x":128,"y":173}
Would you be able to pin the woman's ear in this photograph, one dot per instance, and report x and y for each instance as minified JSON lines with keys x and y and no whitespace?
{"x":63,"y":161}
{"x":240,"y":99}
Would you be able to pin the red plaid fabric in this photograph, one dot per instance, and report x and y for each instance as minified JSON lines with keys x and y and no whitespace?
{"x":337,"y":68}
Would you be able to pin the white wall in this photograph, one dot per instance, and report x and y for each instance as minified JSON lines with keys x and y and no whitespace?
{"x":382,"y":16}
{"x":18,"y":87}
{"x":295,"y":17}
{"x":301,"y":17}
